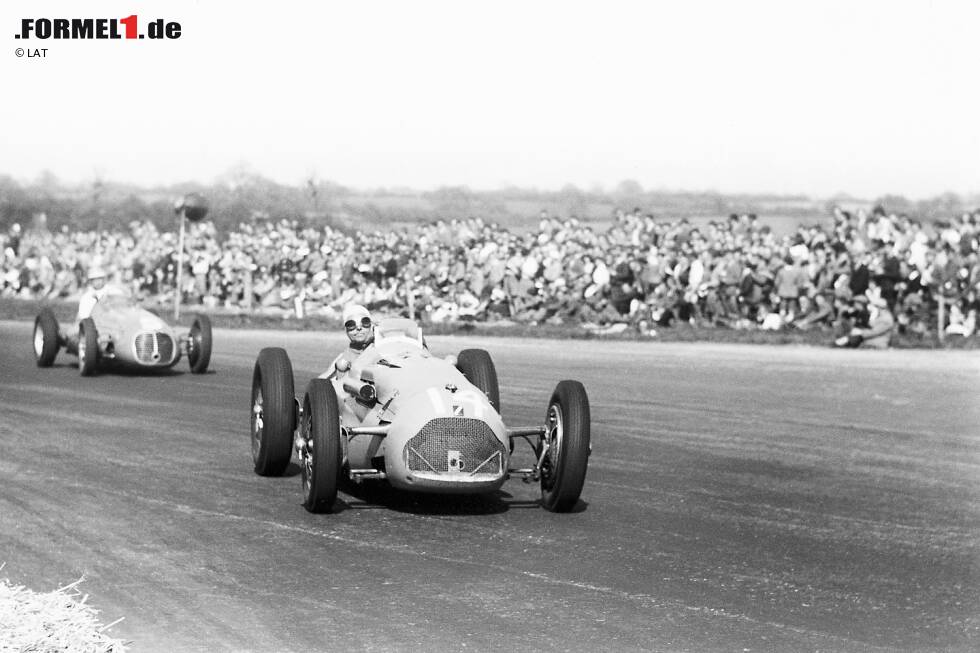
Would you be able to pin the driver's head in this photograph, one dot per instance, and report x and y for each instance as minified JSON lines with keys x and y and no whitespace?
{"x":96,"y":276}
{"x":359,"y":326}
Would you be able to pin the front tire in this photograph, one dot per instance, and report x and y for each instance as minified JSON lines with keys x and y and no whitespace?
{"x":88,"y":347}
{"x":567,"y":435}
{"x":46,"y":339}
{"x":322,"y":453}
{"x":477,"y":366}
{"x":199,"y":345}
{"x":273,"y":412}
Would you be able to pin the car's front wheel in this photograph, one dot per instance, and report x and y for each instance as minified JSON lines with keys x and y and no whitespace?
{"x":199,"y":345}
{"x":321,"y":453}
{"x":88,"y":347}
{"x":477,"y":366}
{"x":46,"y":344}
{"x":567,"y":439}
{"x":273,"y":412}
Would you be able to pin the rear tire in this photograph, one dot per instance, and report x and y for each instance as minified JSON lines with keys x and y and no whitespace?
{"x":46,"y":339}
{"x":88,"y":347}
{"x":322,"y":453}
{"x":273,"y":414}
{"x":477,"y":366}
{"x":567,"y":426}
{"x":199,"y":341}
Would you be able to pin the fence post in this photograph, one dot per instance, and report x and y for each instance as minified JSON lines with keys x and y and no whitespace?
{"x":298,"y":304}
{"x":247,"y":298}
{"x":942,"y":318}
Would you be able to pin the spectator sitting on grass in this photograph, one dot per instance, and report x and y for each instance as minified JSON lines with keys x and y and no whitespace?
{"x":821,"y":314}
{"x":881,"y":323}
{"x":963,"y":315}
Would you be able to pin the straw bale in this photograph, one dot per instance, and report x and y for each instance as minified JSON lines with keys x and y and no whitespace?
{"x":60,"y":620}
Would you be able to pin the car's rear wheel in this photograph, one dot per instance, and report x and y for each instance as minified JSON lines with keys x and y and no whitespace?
{"x":46,"y":344}
{"x":567,"y":438}
{"x":199,"y":345}
{"x":477,"y":366}
{"x":273,"y":412}
{"x":88,"y":347}
{"x":322,"y":453}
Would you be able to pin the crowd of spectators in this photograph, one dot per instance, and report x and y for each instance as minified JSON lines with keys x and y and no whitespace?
{"x":640,"y":272}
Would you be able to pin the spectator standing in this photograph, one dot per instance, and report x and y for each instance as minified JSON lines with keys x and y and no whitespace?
{"x":789,"y":282}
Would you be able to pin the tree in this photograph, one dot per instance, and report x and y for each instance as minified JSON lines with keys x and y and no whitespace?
{"x":629,"y":188}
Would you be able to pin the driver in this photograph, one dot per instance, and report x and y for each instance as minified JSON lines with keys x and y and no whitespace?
{"x":360,"y":331}
{"x":96,"y":290}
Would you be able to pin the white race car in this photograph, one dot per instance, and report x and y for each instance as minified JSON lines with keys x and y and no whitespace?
{"x":420,"y":422}
{"x":121,"y":332}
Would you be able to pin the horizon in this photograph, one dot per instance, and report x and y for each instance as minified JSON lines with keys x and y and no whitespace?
{"x":222,"y":181}
{"x":819,"y":99}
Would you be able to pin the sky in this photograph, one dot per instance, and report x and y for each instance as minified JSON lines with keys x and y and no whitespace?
{"x":814,"y":98}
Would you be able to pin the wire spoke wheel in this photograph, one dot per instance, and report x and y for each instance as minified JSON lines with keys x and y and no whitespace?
{"x":306,"y":451}
{"x":199,"y":345}
{"x":554,"y":431}
{"x":38,"y":340}
{"x":272,"y":412}
{"x":88,"y":347}
{"x":194,"y":344}
{"x":321,"y":452}
{"x":47,"y":339}
{"x":257,"y":420}
{"x":565,"y":447}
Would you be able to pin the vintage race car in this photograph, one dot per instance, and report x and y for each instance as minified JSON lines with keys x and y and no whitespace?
{"x":420,"y":422}
{"x":120,"y":331}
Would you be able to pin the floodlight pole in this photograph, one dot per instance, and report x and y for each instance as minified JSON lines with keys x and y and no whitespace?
{"x":180,"y":266}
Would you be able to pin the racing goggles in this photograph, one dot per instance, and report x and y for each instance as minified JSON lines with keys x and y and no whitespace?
{"x":350,"y":325}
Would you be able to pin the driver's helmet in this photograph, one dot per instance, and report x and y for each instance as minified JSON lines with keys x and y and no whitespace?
{"x":355,"y":315}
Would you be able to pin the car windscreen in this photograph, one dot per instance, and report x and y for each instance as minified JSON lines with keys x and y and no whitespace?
{"x":116,"y":300}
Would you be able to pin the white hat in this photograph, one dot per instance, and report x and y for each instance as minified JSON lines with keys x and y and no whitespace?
{"x":354,"y":312}
{"x":96,"y":271}
{"x":875,"y":298}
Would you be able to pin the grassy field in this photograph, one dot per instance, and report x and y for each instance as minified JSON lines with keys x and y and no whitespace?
{"x":27,"y":310}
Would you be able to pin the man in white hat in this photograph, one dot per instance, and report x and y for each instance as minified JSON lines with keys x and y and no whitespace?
{"x":95,"y":291}
{"x":360,"y":331}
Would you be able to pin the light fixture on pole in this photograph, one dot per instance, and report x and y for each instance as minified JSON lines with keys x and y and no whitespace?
{"x":191,"y":207}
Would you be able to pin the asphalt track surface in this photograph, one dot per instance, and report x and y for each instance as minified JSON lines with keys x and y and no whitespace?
{"x":739,"y":498}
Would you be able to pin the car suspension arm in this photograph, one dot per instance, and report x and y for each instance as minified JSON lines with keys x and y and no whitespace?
{"x":529,"y":474}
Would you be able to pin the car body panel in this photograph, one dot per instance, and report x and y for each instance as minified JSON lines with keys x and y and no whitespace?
{"x":132,"y":335}
{"x":442,"y":433}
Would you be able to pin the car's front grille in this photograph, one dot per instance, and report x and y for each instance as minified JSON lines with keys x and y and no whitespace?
{"x":457,"y":445}
{"x":154,"y":347}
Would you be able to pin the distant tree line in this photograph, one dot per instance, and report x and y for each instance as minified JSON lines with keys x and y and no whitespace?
{"x":241,"y":196}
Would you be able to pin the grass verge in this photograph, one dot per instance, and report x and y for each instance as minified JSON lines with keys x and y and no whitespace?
{"x":27,"y":309}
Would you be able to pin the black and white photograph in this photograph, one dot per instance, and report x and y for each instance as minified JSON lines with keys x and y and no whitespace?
{"x":489,"y":326}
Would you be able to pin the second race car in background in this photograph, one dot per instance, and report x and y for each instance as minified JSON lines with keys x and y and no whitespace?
{"x":120,"y":331}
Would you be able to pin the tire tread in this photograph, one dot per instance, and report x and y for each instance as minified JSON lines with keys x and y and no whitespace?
{"x":570,"y":473}
{"x":274,"y":372}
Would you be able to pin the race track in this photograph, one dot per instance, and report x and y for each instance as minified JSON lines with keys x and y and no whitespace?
{"x":739,"y":498}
